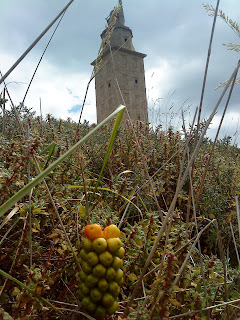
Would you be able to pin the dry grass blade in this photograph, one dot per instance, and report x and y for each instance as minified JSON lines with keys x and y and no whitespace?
{"x":9,"y":216}
{"x":124,"y":216}
{"x":206,"y":68}
{"x":204,"y":309}
{"x":9,"y":230}
{"x":214,"y":143}
{"x":13,"y":106}
{"x":238,"y":215}
{"x":235,"y":245}
{"x":196,"y":224}
{"x":4,"y":112}
{"x":87,"y":316}
{"x":30,"y":198}
{"x":221,"y":252}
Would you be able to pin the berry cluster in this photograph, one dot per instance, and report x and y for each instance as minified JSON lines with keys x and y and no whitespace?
{"x":101,"y":275}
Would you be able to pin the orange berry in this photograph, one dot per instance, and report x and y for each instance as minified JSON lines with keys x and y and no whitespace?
{"x":93,"y":231}
{"x":112,"y":231}
{"x":105,"y":233}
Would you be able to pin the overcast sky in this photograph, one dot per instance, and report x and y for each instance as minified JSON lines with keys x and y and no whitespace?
{"x":174,"y":34}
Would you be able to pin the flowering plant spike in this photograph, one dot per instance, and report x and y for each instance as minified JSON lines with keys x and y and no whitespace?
{"x":102,"y":270}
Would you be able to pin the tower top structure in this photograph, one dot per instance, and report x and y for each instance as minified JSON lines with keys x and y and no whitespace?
{"x":121,"y":35}
{"x":120,"y":17}
{"x":120,"y":61}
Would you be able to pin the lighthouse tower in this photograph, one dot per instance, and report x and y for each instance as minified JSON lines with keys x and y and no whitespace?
{"x":123,"y":68}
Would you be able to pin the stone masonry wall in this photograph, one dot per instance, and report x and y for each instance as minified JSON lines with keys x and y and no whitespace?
{"x":130,"y":73}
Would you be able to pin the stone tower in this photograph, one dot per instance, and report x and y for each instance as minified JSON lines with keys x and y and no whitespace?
{"x":127,"y":66}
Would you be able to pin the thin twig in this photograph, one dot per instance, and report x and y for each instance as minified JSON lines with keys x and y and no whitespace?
{"x":238,"y":215}
{"x":35,"y":71}
{"x":17,"y":116}
{"x":65,"y":303}
{"x":204,"y":309}
{"x":34,"y":43}
{"x":235,"y":245}
{"x":214,"y":144}
{"x":4,"y":112}
{"x":220,"y":246}
{"x":30,"y":198}
{"x":206,"y":67}
{"x":157,"y":287}
{"x":79,"y":312}
{"x":196,"y":226}
{"x":85,"y":190}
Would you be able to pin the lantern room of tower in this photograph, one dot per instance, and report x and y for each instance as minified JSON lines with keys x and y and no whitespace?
{"x":121,"y":35}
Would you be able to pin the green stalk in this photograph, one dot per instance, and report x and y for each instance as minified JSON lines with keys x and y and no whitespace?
{"x":110,"y":144}
{"x":20,"y":194}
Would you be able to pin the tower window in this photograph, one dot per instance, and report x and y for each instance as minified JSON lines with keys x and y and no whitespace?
{"x":125,"y":39}
{"x":109,"y":84}
{"x":136,"y":81}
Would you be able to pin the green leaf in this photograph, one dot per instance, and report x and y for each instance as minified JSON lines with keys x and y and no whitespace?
{"x":199,"y":288}
{"x":25,"y":190}
{"x":176,"y":288}
{"x":36,"y":224}
{"x":175,"y":303}
{"x":132,"y":277}
{"x":49,"y":148}
{"x":82,"y":211}
{"x":15,"y":291}
{"x":37,"y":210}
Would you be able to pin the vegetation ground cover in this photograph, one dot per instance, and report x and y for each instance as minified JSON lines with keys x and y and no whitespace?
{"x":209,"y":268}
